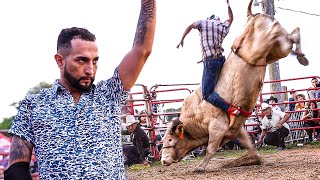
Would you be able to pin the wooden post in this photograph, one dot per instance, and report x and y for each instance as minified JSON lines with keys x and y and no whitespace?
{"x":274,"y":68}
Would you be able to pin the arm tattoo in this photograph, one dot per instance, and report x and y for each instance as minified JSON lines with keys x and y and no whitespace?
{"x":20,"y":150}
{"x":147,"y":14}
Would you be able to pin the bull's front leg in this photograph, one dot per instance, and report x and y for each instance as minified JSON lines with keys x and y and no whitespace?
{"x":216,"y":135}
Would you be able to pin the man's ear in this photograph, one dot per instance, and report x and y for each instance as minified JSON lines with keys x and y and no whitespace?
{"x":59,"y":60}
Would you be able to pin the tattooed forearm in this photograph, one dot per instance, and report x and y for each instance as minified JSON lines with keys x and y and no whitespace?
{"x":20,"y":150}
{"x":147,"y":15}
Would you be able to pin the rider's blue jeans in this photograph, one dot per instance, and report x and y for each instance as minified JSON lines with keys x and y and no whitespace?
{"x":211,"y":71}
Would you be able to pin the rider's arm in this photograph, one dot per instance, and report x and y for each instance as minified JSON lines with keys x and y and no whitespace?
{"x":132,"y":64}
{"x":186,"y":32}
{"x":230,"y":13}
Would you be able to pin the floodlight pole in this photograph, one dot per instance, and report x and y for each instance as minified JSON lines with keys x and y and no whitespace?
{"x":274,"y":68}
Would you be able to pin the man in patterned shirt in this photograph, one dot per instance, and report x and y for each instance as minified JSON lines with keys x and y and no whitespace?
{"x":314,"y":94}
{"x":212,"y":32}
{"x":74,"y":126}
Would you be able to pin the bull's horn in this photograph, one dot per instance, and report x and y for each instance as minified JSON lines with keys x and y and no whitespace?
{"x":232,"y":120}
{"x":249,"y":12}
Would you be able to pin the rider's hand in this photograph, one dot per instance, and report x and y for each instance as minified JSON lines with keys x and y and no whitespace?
{"x":181,"y":43}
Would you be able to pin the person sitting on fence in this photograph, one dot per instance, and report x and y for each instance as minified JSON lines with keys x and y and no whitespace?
{"x":273,"y":100}
{"x":300,"y":105}
{"x":274,"y":127}
{"x":315,"y":93}
{"x":136,"y":153}
{"x":292,"y":97}
{"x":312,"y":112}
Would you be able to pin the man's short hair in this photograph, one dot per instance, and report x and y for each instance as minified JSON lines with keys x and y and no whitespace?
{"x":314,"y":79}
{"x":292,"y":92}
{"x":68,"y":34}
{"x":214,"y":17}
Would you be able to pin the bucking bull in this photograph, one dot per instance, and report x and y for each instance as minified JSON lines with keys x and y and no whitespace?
{"x":263,"y":41}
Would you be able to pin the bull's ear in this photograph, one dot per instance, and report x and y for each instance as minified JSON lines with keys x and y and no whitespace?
{"x":180,"y":131}
{"x":175,"y":123}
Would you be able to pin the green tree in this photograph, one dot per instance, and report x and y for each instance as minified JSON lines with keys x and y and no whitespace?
{"x":6,"y":123}
{"x":37,"y":88}
{"x":171,"y":110}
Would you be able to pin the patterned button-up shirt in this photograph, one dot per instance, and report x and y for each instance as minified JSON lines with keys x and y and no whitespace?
{"x":71,"y":141}
{"x":314,"y":94}
{"x":212,"y":33}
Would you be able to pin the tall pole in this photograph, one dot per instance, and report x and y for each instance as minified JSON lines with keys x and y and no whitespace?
{"x":274,"y":69}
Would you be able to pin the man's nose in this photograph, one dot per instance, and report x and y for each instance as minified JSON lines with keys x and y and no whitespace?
{"x":89,"y":69}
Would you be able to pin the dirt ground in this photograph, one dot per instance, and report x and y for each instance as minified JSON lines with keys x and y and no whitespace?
{"x":298,"y":163}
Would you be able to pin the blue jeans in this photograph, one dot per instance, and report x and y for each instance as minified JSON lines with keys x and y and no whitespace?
{"x":210,"y":75}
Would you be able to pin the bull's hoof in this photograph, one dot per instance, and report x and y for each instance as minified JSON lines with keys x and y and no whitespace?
{"x":303,"y":60}
{"x":198,"y":170}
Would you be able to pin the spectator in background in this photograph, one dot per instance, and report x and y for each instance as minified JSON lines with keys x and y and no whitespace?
{"x":143,"y":119}
{"x":125,"y":110}
{"x":137,"y":153}
{"x":300,"y":105}
{"x":314,"y":94}
{"x":274,"y":127}
{"x":232,"y":144}
{"x":154,"y":106}
{"x":312,"y":112}
{"x":272,"y":100}
{"x":292,"y":97}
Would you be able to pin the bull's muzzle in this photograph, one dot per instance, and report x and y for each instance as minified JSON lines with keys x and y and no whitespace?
{"x":165,"y":163}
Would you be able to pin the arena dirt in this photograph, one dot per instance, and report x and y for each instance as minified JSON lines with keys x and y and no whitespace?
{"x":294,"y":164}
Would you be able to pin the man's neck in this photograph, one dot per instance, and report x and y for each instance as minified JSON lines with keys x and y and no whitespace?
{"x":74,"y":92}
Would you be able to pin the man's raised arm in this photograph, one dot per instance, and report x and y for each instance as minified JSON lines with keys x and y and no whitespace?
{"x":132,"y":64}
{"x":230,"y":13}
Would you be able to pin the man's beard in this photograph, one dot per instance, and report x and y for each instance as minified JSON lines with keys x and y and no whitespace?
{"x":75,"y":83}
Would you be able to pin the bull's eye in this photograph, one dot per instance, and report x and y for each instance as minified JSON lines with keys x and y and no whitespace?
{"x":170,"y":140}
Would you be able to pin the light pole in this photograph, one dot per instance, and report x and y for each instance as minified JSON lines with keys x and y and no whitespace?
{"x":274,"y":68}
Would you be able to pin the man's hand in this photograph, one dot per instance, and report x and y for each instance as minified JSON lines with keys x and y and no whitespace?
{"x":258,"y":144}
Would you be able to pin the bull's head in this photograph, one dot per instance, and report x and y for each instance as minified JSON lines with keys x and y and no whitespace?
{"x":173,"y":142}
{"x":264,"y":41}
